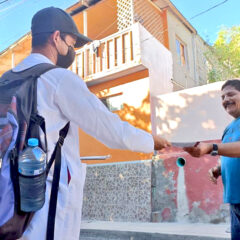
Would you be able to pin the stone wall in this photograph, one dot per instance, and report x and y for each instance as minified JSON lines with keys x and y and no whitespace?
{"x":118,"y":192}
{"x":153,"y":190}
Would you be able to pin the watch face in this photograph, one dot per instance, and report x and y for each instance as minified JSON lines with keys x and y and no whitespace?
{"x":215,"y":147}
{"x":215,"y":150}
{"x":214,"y":153}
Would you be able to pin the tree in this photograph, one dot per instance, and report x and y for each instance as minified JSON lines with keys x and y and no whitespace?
{"x":224,"y":56}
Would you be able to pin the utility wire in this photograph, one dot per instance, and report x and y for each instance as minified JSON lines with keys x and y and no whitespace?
{"x":11,"y":6}
{"x":3,"y":1}
{"x":209,"y":9}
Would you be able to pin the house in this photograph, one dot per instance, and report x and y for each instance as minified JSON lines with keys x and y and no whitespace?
{"x":142,"y":49}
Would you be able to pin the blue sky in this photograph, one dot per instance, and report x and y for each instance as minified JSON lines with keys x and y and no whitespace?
{"x":15,"y":16}
{"x":208,"y":24}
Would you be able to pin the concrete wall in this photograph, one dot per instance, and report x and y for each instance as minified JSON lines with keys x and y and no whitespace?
{"x":178,"y":194}
{"x":118,"y":192}
{"x":194,"y":73}
{"x":153,"y":191}
{"x":194,"y":114}
{"x":158,"y":60}
{"x":190,"y":115}
{"x":185,"y":194}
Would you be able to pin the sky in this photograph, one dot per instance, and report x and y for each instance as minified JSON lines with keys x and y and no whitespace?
{"x":209,"y":23}
{"x":16,"y":15}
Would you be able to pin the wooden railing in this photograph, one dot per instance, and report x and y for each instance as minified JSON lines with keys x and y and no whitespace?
{"x":108,"y":55}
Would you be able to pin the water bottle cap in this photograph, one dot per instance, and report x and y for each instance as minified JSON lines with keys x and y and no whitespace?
{"x":33,"y":142}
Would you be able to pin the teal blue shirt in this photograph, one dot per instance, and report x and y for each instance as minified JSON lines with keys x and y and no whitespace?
{"x":231,"y":166}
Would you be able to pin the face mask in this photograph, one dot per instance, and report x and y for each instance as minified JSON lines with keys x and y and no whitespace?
{"x":66,"y":61}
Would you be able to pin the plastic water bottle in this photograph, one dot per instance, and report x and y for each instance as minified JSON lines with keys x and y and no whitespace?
{"x":32,"y":177}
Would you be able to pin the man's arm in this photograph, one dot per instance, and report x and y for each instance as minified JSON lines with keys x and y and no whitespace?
{"x":83,"y":108}
{"x":224,"y":149}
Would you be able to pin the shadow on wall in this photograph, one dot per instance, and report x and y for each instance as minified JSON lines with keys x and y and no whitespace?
{"x":190,"y":116}
{"x":139,"y":117}
{"x":185,"y":194}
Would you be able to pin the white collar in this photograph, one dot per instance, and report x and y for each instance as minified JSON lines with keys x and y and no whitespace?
{"x":31,"y":60}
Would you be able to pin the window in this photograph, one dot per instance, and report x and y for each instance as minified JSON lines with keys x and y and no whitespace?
{"x":182,"y":53}
{"x":113,"y":102}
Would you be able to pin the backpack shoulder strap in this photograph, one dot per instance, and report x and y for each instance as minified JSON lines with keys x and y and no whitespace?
{"x":36,"y":70}
{"x":33,"y":72}
{"x":56,"y":156}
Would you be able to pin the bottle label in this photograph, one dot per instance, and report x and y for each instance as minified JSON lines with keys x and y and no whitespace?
{"x":36,"y":172}
{"x":31,"y":172}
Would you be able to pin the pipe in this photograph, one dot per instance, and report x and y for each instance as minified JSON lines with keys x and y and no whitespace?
{"x":181,"y":162}
{"x":96,"y":157}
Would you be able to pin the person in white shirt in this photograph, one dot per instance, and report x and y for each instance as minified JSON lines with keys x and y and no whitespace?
{"x":62,"y":97}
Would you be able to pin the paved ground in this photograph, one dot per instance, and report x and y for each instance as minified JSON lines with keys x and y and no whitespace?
{"x":99,"y":230}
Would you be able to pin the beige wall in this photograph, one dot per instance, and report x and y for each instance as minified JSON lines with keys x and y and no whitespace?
{"x":194,"y":73}
{"x":158,"y":61}
{"x":194,"y":114}
{"x":201,"y":65}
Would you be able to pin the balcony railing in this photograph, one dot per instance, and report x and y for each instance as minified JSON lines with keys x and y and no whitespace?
{"x":115,"y":53}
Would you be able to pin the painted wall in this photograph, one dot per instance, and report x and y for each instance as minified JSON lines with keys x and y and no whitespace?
{"x":194,"y":73}
{"x":137,"y":108}
{"x":102,"y":19}
{"x":153,"y":191}
{"x":152,"y":19}
{"x":194,"y":114}
{"x":15,"y":54}
{"x":189,"y":115}
{"x":185,"y":194}
{"x":158,"y":60}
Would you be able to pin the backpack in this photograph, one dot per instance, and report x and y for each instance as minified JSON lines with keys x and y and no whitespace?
{"x":19,"y":120}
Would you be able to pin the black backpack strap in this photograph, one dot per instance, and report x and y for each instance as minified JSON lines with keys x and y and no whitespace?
{"x":35,"y":72}
{"x":56,"y":156}
{"x":40,"y":122}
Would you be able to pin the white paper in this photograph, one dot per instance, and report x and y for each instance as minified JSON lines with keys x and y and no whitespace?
{"x":183,"y":144}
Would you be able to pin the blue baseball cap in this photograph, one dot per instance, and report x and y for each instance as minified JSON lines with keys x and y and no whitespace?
{"x":51,"y":19}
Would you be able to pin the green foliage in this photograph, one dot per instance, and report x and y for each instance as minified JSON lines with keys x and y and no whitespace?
{"x":224,"y":56}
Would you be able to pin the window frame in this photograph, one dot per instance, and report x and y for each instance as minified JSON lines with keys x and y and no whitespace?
{"x":182,"y":52}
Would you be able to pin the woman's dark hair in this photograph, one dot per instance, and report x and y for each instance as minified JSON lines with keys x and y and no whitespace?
{"x":233,"y":83}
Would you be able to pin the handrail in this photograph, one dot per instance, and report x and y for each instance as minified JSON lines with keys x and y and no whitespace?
{"x":96,"y":157}
{"x":108,"y":55}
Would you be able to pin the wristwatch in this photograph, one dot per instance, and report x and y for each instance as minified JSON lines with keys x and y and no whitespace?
{"x":214,"y":150}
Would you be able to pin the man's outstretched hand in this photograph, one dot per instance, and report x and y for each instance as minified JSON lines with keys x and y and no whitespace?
{"x":199,"y":150}
{"x":160,"y":143}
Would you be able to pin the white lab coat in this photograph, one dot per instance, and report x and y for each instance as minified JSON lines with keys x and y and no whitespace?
{"x":62,"y":97}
